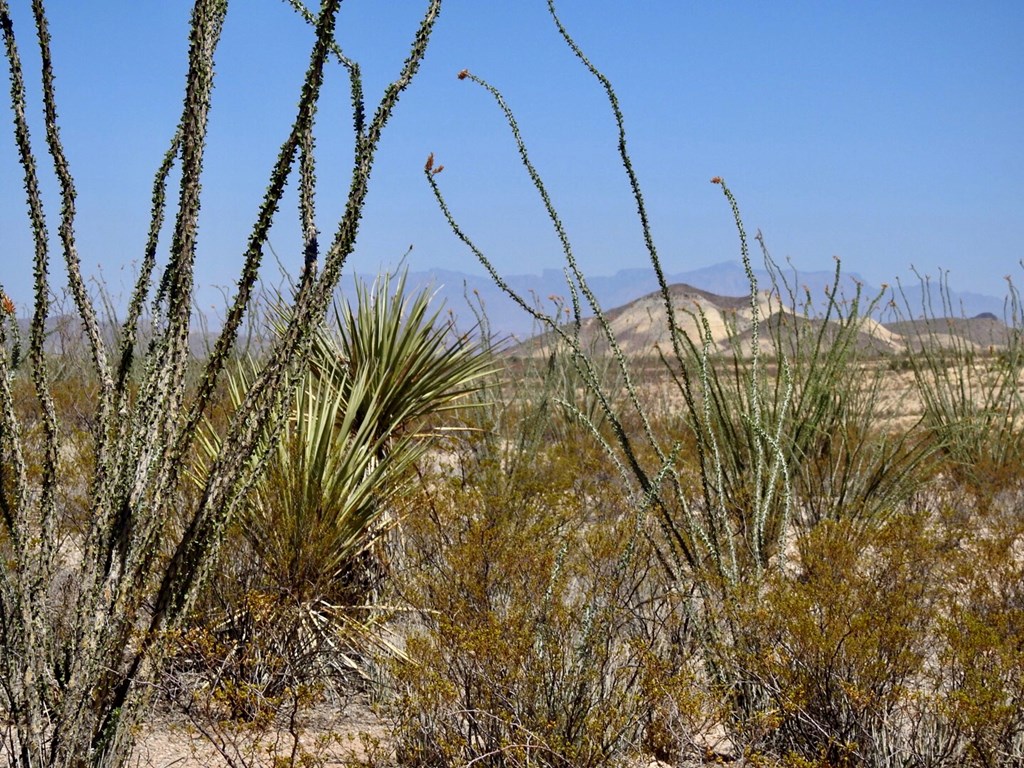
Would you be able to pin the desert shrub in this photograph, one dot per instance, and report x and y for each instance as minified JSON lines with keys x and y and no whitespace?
{"x":838,"y":645}
{"x":790,"y":518}
{"x":780,"y":427}
{"x":722,"y":537}
{"x":894,"y":645}
{"x":688,"y":707}
{"x":778,"y":436}
{"x":529,"y":586}
{"x":245,"y":723}
{"x":981,"y":664}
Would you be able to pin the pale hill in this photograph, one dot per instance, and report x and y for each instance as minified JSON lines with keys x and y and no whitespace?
{"x":640,"y":327}
{"x":873,"y":338}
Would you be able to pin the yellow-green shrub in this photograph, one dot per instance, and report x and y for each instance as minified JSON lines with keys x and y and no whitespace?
{"x":528,"y":641}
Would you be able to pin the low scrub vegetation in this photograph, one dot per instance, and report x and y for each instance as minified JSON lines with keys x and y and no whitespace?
{"x":490,"y":574}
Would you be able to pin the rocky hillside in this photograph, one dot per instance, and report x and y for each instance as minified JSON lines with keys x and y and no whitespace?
{"x":640,"y":326}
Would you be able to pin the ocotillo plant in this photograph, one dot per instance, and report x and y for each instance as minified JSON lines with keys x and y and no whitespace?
{"x":754,"y":430}
{"x":969,"y":384}
{"x":74,"y":673}
{"x":704,"y":536}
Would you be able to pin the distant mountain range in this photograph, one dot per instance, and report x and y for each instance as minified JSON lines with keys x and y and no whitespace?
{"x":462,"y":292}
{"x":626,"y":296}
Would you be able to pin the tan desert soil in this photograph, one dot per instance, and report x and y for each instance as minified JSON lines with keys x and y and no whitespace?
{"x":339,"y":738}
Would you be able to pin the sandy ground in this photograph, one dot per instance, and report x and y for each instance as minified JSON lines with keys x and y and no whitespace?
{"x":354,"y":737}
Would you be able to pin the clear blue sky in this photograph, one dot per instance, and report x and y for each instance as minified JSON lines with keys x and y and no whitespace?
{"x":887,"y":133}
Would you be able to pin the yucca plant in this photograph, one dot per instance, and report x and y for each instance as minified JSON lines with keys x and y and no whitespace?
{"x":412,"y":359}
{"x":328,"y":487}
